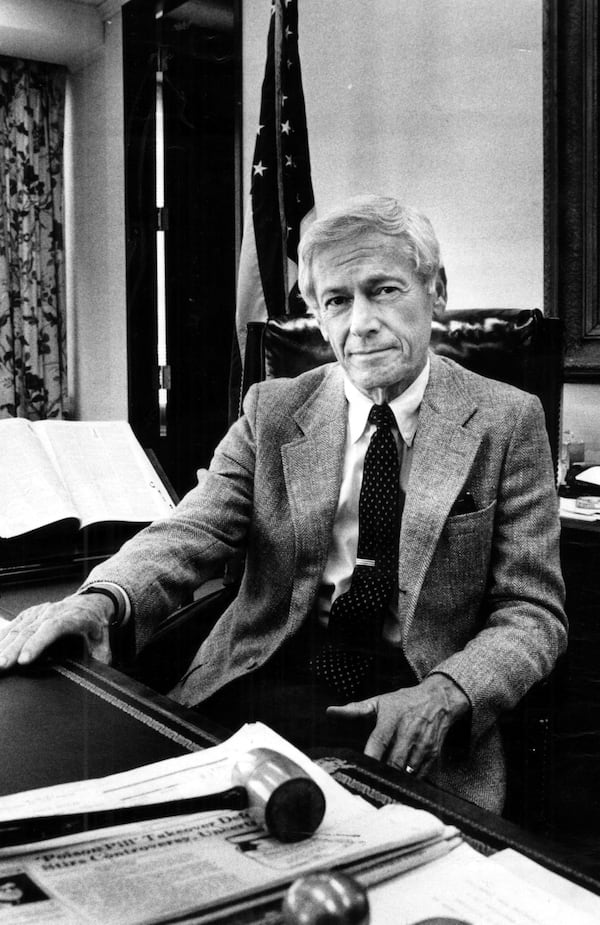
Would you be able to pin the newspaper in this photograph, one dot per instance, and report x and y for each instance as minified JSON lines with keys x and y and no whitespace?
{"x":188,"y":775}
{"x":202,"y":863}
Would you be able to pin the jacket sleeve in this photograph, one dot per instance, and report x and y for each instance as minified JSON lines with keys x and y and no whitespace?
{"x":523,"y":624}
{"x":163,"y":564}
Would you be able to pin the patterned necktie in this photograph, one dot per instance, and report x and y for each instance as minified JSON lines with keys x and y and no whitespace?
{"x":356,"y":617}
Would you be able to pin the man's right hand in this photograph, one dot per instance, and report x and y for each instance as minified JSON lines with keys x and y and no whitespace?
{"x":25,"y":638}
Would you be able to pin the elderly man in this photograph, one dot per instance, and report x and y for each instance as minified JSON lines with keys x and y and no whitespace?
{"x":399,"y":519}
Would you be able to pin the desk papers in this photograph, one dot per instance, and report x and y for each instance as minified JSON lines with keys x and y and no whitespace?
{"x":575,"y":509}
{"x":478,"y":890}
{"x":201,"y":863}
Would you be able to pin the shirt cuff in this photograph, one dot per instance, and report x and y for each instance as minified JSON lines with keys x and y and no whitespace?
{"x":117,"y":595}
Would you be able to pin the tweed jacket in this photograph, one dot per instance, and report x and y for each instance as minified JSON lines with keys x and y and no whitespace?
{"x":480,"y":593}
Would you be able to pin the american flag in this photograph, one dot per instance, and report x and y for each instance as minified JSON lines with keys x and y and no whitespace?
{"x":281,"y":195}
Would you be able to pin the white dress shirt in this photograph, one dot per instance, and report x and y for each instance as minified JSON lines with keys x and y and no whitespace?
{"x":341,"y":559}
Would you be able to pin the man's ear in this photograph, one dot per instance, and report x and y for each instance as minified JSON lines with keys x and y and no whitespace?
{"x":439,"y":304}
{"x":441,"y":292}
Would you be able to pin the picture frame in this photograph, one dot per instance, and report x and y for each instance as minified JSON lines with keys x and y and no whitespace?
{"x":571,"y":181}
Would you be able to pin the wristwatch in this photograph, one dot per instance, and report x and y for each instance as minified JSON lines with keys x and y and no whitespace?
{"x":116,"y":596}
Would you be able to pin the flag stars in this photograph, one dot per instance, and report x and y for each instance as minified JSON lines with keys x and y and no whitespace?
{"x":286,"y":128}
{"x":288,"y":32}
{"x":259,"y":169}
{"x":259,"y":129}
{"x":289,"y":160}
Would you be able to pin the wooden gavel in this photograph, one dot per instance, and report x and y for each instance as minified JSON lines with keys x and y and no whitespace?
{"x":276,"y":791}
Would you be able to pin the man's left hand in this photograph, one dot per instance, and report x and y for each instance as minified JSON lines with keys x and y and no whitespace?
{"x":411,"y":723}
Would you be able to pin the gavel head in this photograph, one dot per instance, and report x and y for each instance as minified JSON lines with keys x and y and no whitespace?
{"x":282,"y":797}
{"x":324,"y":897}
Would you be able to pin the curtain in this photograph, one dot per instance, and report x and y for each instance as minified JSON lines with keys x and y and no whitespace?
{"x":33,"y":380}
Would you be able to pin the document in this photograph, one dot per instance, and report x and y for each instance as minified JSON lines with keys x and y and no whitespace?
{"x":80,"y":471}
{"x":585,"y":508}
{"x":197,"y":864}
{"x":476,"y":890}
{"x":576,"y":897}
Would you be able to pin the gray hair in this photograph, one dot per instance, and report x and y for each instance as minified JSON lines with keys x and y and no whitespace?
{"x":414,"y":232}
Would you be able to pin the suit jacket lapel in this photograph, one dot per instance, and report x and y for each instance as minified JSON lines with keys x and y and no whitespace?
{"x":443,"y":454}
{"x":312,"y":466}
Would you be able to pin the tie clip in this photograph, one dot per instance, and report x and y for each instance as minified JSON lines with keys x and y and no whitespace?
{"x":369,"y":562}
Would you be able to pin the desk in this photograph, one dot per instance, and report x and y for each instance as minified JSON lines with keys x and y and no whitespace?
{"x":574,"y":761}
{"x":558,"y":730}
{"x":72,"y":719}
{"x":26,"y":585}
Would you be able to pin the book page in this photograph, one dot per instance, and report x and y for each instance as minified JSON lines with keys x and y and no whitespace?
{"x":32,"y":494}
{"x":107,"y":471}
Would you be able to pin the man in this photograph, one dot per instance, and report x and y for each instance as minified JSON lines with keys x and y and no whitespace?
{"x":402,"y":577}
{"x":10,"y":893}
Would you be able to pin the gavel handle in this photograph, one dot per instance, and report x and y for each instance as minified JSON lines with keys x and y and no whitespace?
{"x":39,"y":828}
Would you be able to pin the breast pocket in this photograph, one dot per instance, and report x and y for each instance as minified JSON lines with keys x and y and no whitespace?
{"x":475,"y":522}
{"x":451,"y":602}
{"x":462,"y":559}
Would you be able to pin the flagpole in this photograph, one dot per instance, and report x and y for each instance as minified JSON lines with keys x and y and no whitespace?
{"x":281,"y":195}
{"x":278,"y":34}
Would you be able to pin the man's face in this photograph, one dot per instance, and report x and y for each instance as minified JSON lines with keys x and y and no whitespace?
{"x":10,"y":893}
{"x":375,"y":312}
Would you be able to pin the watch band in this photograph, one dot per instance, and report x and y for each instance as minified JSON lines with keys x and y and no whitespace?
{"x":117,"y":619}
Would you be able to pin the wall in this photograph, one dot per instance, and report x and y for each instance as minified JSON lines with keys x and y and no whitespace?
{"x":74,"y":34}
{"x":438,"y":102}
{"x":49,"y":30}
{"x":99,"y":357}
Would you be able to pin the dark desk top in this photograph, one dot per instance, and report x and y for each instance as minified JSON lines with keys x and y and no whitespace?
{"x":71,"y":720}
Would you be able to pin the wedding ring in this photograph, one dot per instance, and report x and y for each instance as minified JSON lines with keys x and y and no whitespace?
{"x":409,"y":770}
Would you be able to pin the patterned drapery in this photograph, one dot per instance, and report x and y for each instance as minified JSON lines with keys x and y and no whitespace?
{"x":33,"y":379}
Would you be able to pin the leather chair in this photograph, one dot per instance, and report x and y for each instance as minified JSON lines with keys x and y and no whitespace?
{"x":519,"y":346}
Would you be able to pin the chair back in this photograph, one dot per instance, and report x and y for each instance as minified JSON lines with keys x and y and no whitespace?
{"x":518,"y":346}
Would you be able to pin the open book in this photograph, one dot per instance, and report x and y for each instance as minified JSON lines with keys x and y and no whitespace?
{"x":76,"y":473}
